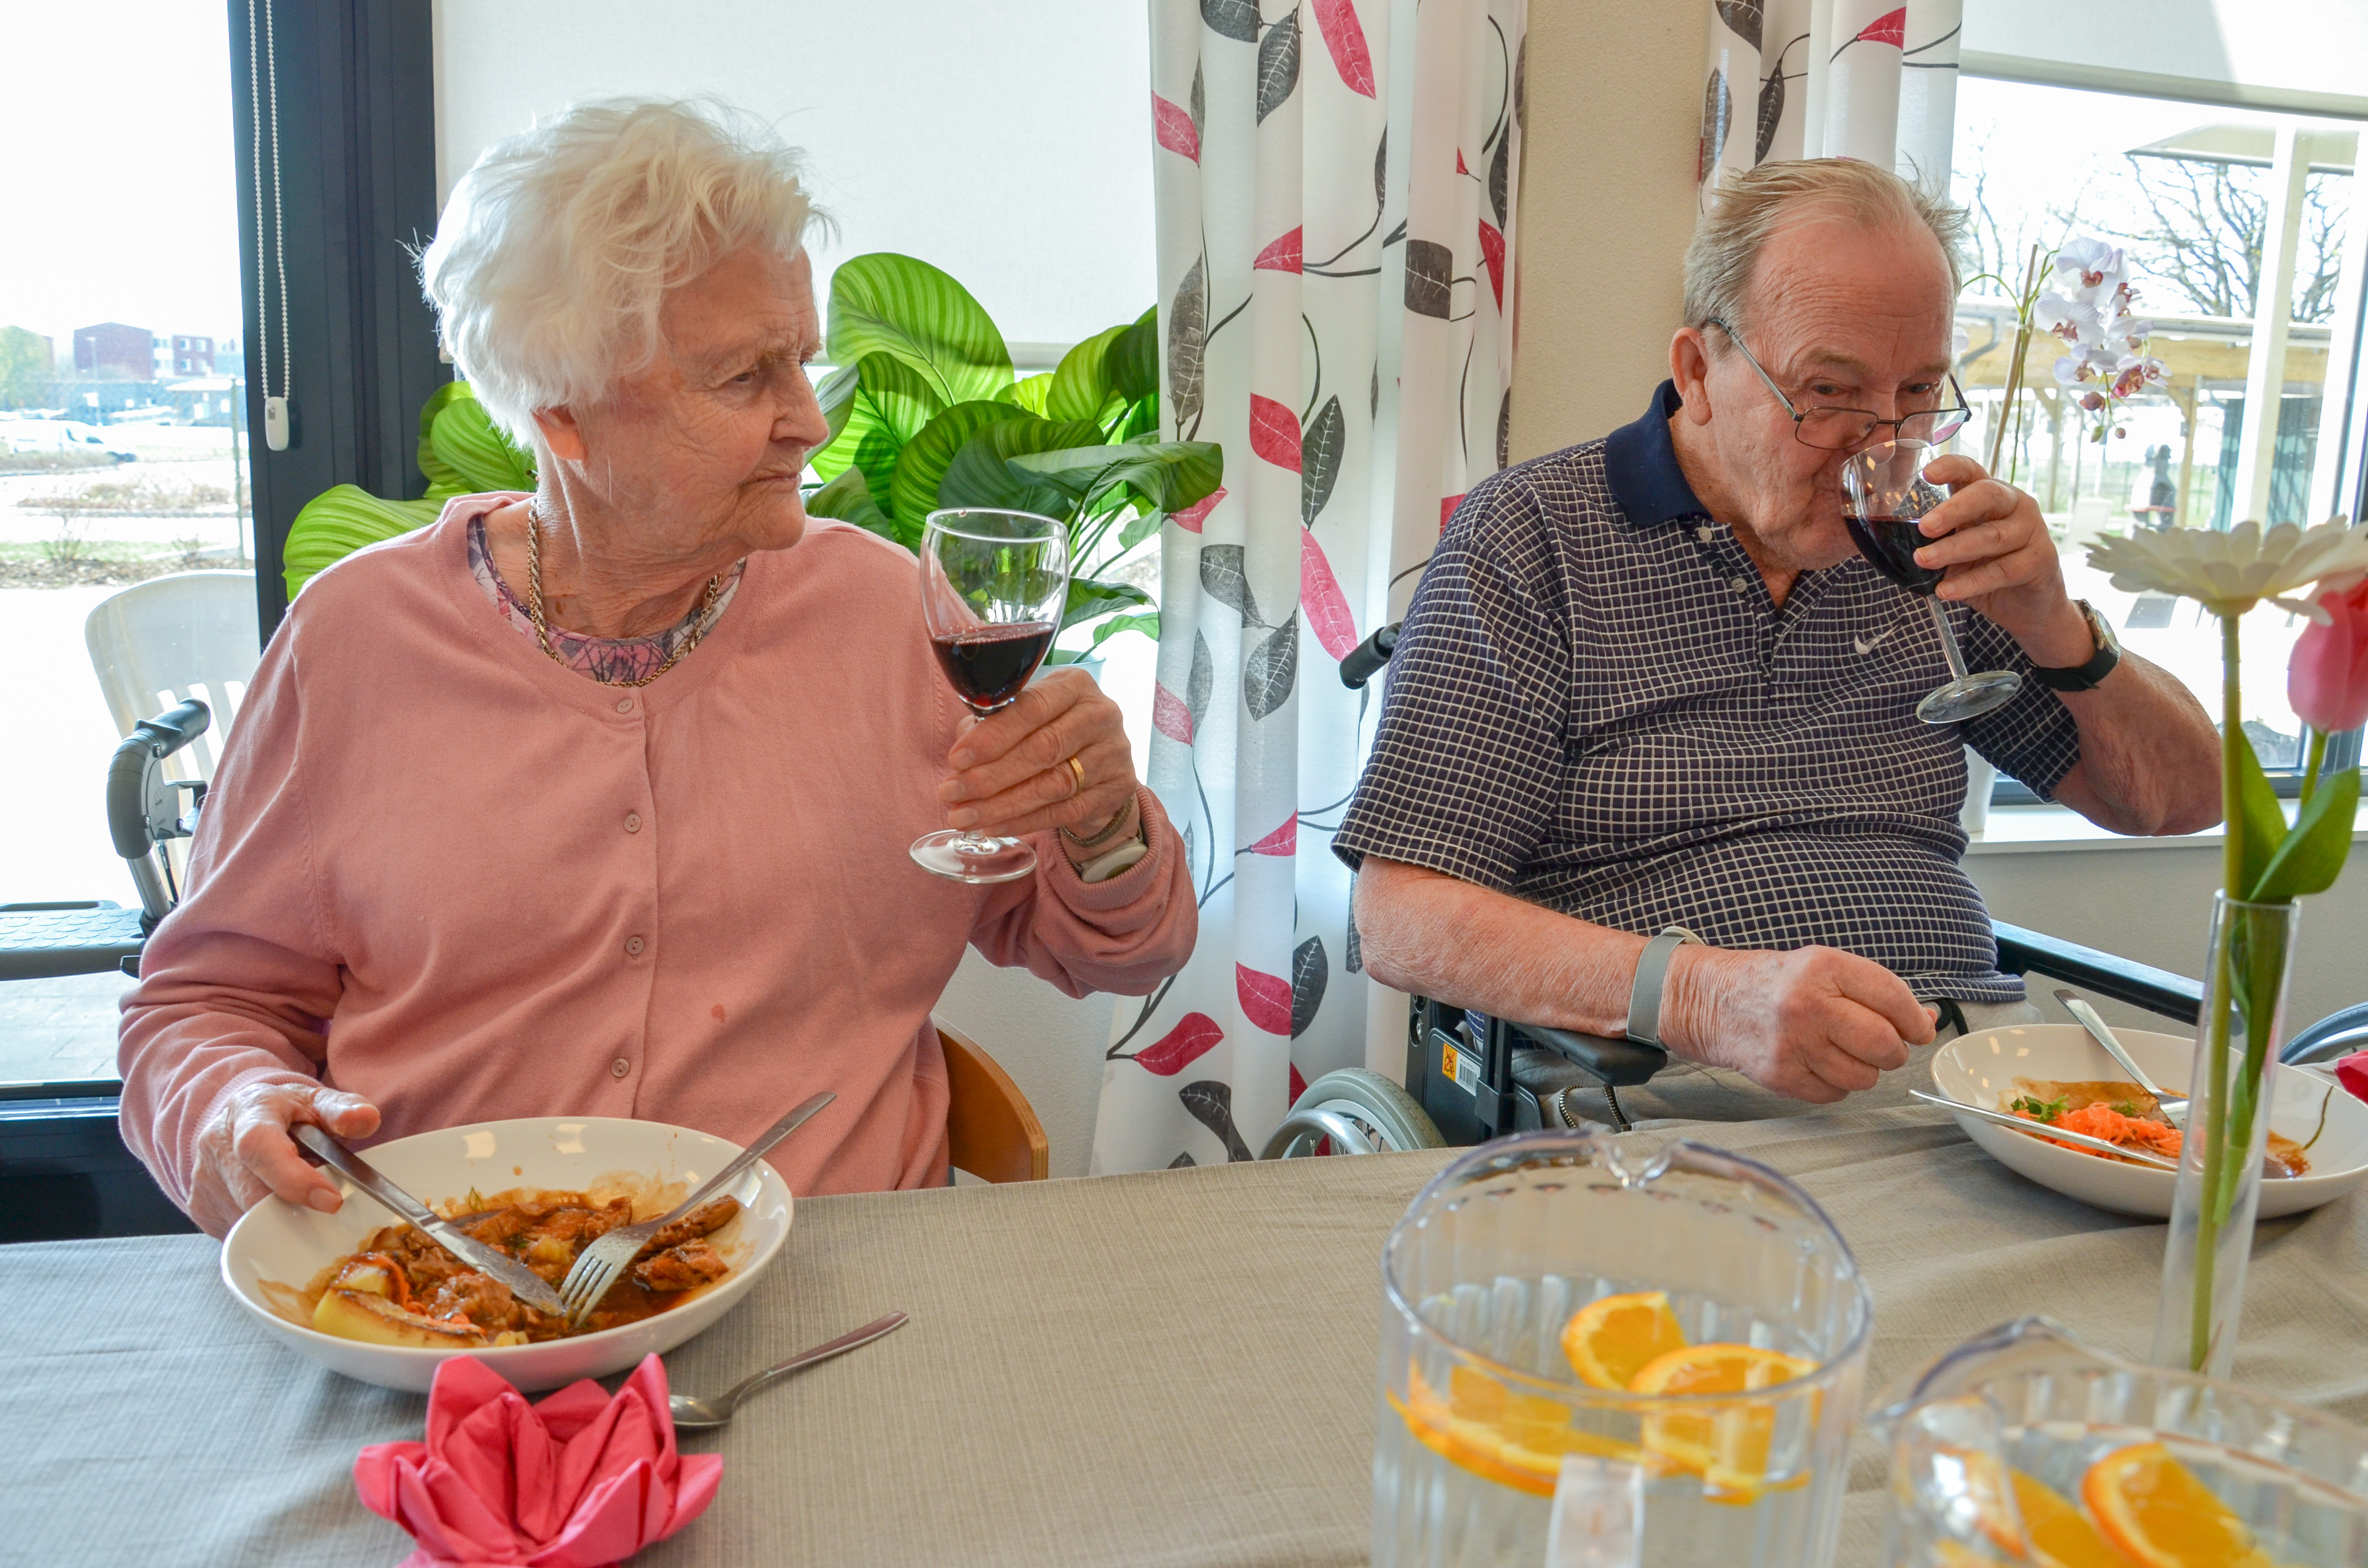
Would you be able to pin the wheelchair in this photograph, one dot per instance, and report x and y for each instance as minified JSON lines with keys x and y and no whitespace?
{"x":64,"y":1173}
{"x":1469,"y":1077}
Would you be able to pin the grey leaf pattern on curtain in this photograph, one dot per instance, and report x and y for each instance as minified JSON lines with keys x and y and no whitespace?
{"x":1212,"y":1105}
{"x":1320,"y":447}
{"x":1742,"y":18}
{"x":1718,"y":107}
{"x":1232,"y":18}
{"x":1271,"y":671}
{"x":1309,"y":974}
{"x":1278,"y":64}
{"x":1430,"y":277}
{"x":1222,"y":577}
{"x":1188,"y":323}
{"x":1201,"y":683}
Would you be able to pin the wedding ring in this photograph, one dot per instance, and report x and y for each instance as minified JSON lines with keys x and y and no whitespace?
{"x":1079,"y":769}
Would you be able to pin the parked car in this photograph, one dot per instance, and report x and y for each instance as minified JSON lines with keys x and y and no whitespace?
{"x":63,"y":435}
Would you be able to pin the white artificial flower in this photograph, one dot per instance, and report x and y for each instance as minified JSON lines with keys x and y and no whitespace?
{"x":2229,"y":572}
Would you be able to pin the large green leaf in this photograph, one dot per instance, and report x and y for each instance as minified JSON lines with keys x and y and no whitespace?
{"x":878,"y":406}
{"x":340,"y":520}
{"x":1146,"y":624}
{"x":466,"y":440}
{"x":1140,"y":419}
{"x":2312,"y":856}
{"x":913,"y":492}
{"x":1029,"y":393}
{"x":981,"y":474}
{"x":1168,"y":475}
{"x":848,"y":499}
{"x":1081,"y":387}
{"x":444,"y":481}
{"x":1089,"y":597}
{"x":1132,"y":361}
{"x":2264,"y":822}
{"x":884,"y":303}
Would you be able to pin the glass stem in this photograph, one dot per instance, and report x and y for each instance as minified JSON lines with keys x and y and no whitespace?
{"x":1949,"y":649}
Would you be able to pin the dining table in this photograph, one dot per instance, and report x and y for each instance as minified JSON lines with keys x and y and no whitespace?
{"x":1175,"y":1368}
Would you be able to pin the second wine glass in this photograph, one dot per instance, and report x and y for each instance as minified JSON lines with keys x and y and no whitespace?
{"x":993,"y":586}
{"x":1884,"y":494}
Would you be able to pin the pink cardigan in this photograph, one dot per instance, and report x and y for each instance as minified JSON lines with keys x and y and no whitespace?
{"x":441,"y":872}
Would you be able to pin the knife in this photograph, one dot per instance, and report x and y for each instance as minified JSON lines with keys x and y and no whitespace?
{"x":524,"y":1282}
{"x":2056,"y":1134}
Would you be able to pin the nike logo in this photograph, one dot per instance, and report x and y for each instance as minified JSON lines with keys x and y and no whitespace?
{"x":1869,"y":644}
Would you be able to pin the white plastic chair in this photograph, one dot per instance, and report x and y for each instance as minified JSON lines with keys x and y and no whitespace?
{"x":189,"y":635}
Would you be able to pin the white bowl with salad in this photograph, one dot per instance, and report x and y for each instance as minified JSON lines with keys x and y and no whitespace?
{"x":2054,"y":1073}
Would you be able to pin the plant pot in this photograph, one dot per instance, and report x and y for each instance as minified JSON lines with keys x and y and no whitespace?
{"x":2219,"y":1189}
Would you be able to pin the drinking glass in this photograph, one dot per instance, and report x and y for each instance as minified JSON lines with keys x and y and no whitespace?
{"x":993,"y":586}
{"x":1884,"y":494}
{"x":1490,"y":1447}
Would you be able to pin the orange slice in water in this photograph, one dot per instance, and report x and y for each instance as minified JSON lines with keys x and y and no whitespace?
{"x":2061,"y":1533}
{"x":1514,"y":1439}
{"x":1610,"y":1341}
{"x":2154,"y":1509}
{"x":1725,"y":1443}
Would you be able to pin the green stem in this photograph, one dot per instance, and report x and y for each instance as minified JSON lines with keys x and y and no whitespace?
{"x":2216,"y":1062}
{"x":2313,"y":763}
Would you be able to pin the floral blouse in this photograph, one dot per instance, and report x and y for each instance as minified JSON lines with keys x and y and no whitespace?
{"x":615,"y":660}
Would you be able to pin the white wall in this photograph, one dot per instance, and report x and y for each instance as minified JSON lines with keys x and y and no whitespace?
{"x":1009,"y":144}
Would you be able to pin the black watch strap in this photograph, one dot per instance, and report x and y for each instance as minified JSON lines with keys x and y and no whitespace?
{"x":2085,"y":676}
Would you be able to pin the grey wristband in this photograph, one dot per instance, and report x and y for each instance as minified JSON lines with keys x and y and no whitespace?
{"x":1651,"y":974}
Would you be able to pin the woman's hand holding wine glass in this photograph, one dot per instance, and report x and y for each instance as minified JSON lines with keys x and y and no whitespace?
{"x":1010,"y":771}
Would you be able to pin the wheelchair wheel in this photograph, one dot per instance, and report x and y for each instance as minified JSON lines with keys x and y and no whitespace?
{"x":1361,"y":1111}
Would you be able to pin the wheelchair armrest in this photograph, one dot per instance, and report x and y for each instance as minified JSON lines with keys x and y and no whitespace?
{"x":2023,"y":951}
{"x":1621,"y":1063}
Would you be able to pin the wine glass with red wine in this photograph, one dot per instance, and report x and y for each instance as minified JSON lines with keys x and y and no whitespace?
{"x":993,"y":586}
{"x":1885,"y":494}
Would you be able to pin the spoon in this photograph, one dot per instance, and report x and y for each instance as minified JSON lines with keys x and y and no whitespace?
{"x":693,"y":1413}
{"x":2174,"y":1106}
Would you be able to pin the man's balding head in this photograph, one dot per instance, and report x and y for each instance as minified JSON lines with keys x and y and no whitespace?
{"x":1751,"y":207}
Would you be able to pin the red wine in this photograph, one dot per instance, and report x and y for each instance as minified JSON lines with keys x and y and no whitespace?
{"x":988,"y":665}
{"x":1891,"y":543}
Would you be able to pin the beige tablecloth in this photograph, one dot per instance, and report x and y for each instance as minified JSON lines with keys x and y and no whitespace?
{"x":1172,"y":1368}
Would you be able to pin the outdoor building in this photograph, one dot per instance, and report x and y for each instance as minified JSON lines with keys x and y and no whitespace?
{"x":113,"y":349}
{"x":185,"y":354}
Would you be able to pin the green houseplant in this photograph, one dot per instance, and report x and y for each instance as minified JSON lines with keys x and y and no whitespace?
{"x":925,"y":410}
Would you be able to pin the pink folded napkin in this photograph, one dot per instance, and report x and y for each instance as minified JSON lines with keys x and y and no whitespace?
{"x":2352,"y":1073}
{"x":576,"y":1480}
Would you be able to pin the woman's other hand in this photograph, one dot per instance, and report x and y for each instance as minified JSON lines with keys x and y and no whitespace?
{"x":246,"y":1147}
{"x":1011,"y":774}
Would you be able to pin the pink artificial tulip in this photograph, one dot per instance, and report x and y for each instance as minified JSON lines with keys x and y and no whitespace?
{"x":2327,"y":681}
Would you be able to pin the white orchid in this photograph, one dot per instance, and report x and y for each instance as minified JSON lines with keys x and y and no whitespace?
{"x":2230,"y":572}
{"x":2091,"y":314}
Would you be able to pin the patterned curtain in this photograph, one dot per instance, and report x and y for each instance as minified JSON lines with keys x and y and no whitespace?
{"x":1868,"y":79}
{"x":1334,"y":184}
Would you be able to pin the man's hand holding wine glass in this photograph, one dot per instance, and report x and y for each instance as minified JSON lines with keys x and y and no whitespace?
{"x":2002,"y":563}
{"x":1010,"y":774}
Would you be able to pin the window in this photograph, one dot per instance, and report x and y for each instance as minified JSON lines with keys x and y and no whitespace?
{"x":2190,"y":191}
{"x":121,"y":451}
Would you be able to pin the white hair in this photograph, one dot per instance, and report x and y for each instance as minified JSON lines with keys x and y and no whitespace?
{"x":1753,"y":204}
{"x":558,"y":246}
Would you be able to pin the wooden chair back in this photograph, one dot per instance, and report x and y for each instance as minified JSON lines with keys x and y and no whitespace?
{"x":990,"y":1127}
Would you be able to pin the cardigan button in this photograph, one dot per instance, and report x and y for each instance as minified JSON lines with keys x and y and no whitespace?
{"x":620,"y":1067}
{"x":633,"y":946}
{"x":632,"y":822}
{"x":624,"y":705}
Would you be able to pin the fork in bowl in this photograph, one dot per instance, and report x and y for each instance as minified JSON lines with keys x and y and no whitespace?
{"x":597,"y":1266}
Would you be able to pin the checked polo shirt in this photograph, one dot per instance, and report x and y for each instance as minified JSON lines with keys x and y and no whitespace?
{"x":1596,"y":706}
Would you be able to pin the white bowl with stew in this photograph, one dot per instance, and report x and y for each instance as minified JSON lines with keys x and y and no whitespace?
{"x":274,"y":1260}
{"x":1981,"y":1070}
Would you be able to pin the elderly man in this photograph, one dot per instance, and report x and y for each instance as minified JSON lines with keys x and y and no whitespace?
{"x":1648,"y":686}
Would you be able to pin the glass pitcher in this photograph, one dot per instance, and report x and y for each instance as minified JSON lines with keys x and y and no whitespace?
{"x":2024,"y":1444}
{"x":1492,"y":1448}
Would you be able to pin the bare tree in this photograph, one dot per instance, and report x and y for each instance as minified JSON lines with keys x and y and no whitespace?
{"x":2195,"y":230}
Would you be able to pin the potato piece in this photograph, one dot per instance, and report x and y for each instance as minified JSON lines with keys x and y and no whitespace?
{"x":374,"y":1320}
{"x":374,"y":1274}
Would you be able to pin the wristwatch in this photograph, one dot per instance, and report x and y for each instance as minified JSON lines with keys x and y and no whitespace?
{"x":2084,"y":677}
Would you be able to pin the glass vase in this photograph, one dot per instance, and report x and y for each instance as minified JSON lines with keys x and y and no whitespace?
{"x":2227,"y":1128}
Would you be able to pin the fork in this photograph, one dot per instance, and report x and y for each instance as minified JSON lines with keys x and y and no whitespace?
{"x":597,"y":1266}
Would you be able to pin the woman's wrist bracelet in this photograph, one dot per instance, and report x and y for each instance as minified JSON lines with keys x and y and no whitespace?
{"x":1107,"y":831}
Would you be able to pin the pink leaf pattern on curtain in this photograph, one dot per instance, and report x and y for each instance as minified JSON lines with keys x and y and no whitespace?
{"x":1282,"y":256}
{"x":1320,"y":598}
{"x":1307,"y":247}
{"x":1891,"y":28}
{"x":1175,"y":129}
{"x":1345,"y":36}
{"x":1265,"y":998}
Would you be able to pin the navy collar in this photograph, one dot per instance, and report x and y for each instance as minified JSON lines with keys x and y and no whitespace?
{"x":1641,"y":463}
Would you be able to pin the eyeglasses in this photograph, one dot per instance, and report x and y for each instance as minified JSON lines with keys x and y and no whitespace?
{"x":1840,"y":429}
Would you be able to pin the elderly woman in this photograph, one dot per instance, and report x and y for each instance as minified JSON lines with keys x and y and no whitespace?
{"x":596,"y":801}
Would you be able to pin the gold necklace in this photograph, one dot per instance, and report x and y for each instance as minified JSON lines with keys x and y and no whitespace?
{"x":542,"y":631}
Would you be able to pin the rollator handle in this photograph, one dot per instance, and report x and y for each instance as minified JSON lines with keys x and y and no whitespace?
{"x":1366,"y":659}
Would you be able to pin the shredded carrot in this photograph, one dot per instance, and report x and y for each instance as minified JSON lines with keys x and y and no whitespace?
{"x":2104,"y":1121}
